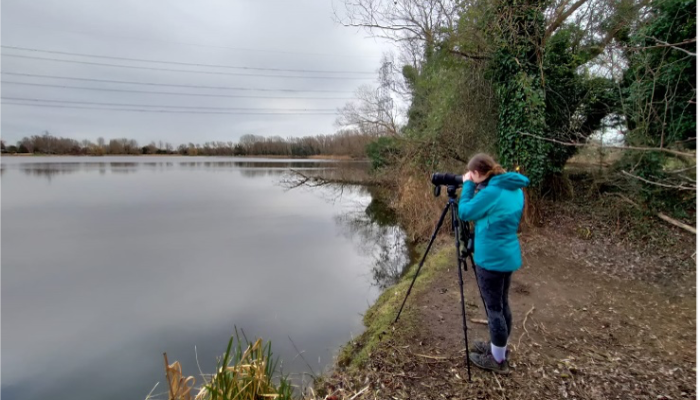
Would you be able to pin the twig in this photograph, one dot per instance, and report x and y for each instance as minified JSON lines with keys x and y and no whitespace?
{"x":479,"y":321}
{"x":673,"y":46}
{"x":628,"y":200}
{"x":678,"y":171}
{"x":360,"y":392}
{"x":524,"y":328}
{"x":519,"y":340}
{"x":500,"y":388}
{"x":525,"y":319}
{"x":433,"y":357}
{"x":299,"y":353}
{"x":151,"y":392}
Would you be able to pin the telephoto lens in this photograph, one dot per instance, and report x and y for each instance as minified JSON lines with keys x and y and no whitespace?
{"x":447,"y":179}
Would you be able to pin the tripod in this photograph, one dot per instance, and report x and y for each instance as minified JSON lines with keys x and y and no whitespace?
{"x":462,"y":257}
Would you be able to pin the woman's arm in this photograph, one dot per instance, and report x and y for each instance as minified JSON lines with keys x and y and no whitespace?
{"x":473,"y":207}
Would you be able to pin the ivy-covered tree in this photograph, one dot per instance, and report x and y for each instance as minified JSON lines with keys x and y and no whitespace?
{"x":520,"y":86}
{"x":660,"y":105}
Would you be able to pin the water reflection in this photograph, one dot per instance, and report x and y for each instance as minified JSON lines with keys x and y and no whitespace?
{"x":376,"y":233}
{"x":115,"y":261}
{"x":247,"y":168}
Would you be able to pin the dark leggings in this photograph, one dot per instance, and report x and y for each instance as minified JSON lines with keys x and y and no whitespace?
{"x":494,"y":289}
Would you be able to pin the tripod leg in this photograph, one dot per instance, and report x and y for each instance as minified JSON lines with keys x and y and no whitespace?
{"x":430,"y":244}
{"x":461,"y":288}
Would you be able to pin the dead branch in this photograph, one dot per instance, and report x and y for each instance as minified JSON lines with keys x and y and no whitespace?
{"x":663,"y":216}
{"x":670,"y":45}
{"x":678,"y":171}
{"x":677,"y":223}
{"x":561,"y":17}
{"x":431,"y":357}
{"x":679,"y":187}
{"x":635,"y":148}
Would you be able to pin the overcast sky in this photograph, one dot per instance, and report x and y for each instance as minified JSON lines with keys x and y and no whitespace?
{"x":288,"y":35}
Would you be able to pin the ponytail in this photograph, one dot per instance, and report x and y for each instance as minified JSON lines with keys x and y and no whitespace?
{"x":485,"y":165}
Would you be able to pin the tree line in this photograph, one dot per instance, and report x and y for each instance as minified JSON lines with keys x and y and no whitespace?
{"x":532,"y":82}
{"x":343,"y":143}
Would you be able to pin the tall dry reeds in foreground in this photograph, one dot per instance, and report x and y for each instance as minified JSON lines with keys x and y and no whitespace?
{"x":245,"y":372}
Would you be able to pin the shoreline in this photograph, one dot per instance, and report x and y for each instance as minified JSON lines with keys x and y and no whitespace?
{"x":272,"y":157}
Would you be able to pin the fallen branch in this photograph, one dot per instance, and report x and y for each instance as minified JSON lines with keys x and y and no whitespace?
{"x":663,"y":216}
{"x":677,"y":223}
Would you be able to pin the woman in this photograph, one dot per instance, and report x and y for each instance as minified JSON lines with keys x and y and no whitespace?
{"x":494,"y":199}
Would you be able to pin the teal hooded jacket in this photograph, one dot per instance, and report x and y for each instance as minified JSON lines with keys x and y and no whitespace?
{"x":496,"y":210}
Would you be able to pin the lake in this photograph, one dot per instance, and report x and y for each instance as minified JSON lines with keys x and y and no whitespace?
{"x":108,"y":262}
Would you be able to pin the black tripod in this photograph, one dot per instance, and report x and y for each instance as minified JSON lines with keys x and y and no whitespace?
{"x":462,"y":257}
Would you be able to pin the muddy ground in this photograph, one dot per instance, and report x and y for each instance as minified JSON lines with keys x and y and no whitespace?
{"x":593,"y":318}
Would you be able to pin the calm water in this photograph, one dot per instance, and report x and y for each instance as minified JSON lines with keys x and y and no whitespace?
{"x":109,"y":262}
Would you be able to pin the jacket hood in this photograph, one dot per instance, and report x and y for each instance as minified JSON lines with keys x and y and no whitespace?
{"x":509,"y":181}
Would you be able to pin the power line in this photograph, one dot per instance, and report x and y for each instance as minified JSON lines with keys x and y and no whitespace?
{"x":125,"y":38}
{"x":165,"y":111}
{"x":167,"y":106}
{"x":170,"y":93}
{"x":170,"y":85}
{"x":65,"y":53}
{"x":180,"y":70}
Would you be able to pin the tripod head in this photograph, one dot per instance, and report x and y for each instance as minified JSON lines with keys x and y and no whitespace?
{"x":451,"y":191}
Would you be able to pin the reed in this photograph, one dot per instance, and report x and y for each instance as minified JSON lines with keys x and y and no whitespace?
{"x":245,"y":372}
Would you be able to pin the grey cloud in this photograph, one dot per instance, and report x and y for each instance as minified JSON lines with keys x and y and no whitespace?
{"x":290,"y":35}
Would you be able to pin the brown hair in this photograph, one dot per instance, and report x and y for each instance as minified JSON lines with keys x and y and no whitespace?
{"x":485,"y":165}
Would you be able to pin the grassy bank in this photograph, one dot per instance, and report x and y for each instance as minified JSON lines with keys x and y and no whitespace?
{"x":379,"y":318}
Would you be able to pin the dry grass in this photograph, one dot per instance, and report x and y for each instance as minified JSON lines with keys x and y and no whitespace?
{"x":244,"y":373}
{"x":417,"y":207}
{"x":595,"y":157}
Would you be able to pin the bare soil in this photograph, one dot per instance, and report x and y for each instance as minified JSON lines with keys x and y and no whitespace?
{"x":593,"y":318}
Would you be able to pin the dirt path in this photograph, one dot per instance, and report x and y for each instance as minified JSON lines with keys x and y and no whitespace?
{"x":582,"y":330}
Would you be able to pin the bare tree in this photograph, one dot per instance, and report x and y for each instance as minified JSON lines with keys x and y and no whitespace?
{"x":405,"y":22}
{"x":370,"y":114}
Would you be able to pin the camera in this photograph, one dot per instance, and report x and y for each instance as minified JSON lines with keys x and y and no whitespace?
{"x":441,"y":178}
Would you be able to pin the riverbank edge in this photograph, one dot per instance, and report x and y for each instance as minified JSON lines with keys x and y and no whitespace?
{"x":379,"y":317}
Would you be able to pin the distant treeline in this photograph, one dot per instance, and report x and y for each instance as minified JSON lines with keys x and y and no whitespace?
{"x":344,"y":143}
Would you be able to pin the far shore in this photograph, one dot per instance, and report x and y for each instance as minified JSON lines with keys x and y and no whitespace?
{"x":316,"y":157}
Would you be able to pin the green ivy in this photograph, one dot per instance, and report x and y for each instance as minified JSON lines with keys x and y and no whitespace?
{"x":382,"y":151}
{"x":516,"y":70}
{"x":660,"y":98}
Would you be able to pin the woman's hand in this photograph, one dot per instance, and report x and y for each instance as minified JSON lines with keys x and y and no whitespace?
{"x":467,"y":177}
